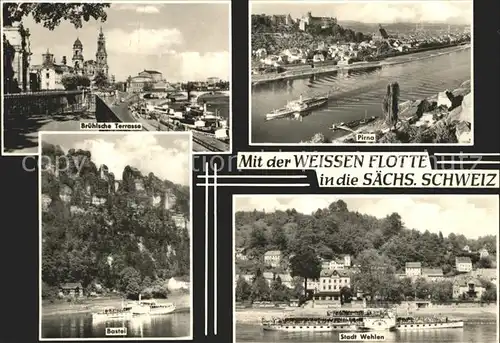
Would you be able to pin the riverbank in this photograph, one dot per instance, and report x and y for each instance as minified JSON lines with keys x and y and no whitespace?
{"x":486,"y":314}
{"x":436,"y":119}
{"x":400,"y":59}
{"x":89,"y":305}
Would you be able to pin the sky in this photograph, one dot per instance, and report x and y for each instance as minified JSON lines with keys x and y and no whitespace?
{"x":470,"y":215}
{"x":166,"y":155}
{"x":450,"y":12}
{"x":183,"y":41}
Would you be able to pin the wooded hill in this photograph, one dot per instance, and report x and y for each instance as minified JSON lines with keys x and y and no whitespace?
{"x":116,"y":234}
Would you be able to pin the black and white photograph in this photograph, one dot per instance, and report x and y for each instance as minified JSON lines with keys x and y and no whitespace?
{"x":394,"y":268}
{"x":164,"y":66}
{"x":115,"y":236}
{"x":359,"y":72}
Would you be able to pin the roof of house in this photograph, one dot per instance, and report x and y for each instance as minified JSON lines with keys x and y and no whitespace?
{"x":432,"y":272}
{"x":272,"y":252}
{"x":463,"y":259}
{"x":151,"y":71}
{"x":71,"y":285}
{"x":413,"y":265}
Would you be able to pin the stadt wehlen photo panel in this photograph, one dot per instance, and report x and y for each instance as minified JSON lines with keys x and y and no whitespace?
{"x":115,"y":235}
{"x":406,"y":268}
{"x":379,"y":72}
{"x":162,"y":65}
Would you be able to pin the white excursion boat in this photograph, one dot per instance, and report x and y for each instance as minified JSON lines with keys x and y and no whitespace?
{"x":413,"y":323}
{"x":113,"y":314}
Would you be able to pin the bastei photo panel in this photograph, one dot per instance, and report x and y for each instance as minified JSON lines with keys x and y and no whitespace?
{"x":115,"y":236}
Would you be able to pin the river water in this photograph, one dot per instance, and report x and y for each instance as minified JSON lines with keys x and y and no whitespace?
{"x":81,"y":326}
{"x":469,"y":334}
{"x":354,"y":94}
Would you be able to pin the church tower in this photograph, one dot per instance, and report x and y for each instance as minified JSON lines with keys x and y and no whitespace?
{"x":101,"y":55}
{"x":77,"y":56}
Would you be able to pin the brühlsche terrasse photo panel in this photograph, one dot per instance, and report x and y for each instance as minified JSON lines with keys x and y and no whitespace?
{"x":358,"y":72}
{"x":403,"y":268}
{"x":159,"y":66}
{"x":115,"y":240}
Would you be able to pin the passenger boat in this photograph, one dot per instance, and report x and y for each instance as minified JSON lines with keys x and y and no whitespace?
{"x":113,"y":314}
{"x":309,"y":324}
{"x":280,"y":113}
{"x":151,"y":307}
{"x":387,"y":323}
{"x":413,"y":323}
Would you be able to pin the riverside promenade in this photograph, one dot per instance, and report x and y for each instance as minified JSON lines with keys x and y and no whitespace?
{"x":26,"y":114}
{"x":303,"y":71}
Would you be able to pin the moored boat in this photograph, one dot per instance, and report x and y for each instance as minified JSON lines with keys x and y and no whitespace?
{"x":414,"y":323}
{"x":280,"y":113}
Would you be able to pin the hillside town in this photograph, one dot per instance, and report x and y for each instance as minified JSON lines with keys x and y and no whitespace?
{"x":280,"y":42}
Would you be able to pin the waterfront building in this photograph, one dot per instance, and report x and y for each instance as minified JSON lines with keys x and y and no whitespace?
{"x":91,"y":68}
{"x":50,"y":73}
{"x":337,"y":264}
{"x":463,"y":264}
{"x":413,"y":269}
{"x":156,"y":76}
{"x":333,"y":280}
{"x":272,"y":258}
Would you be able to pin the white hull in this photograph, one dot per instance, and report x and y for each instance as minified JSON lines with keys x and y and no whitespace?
{"x":378,"y":324}
{"x":309,"y":328}
{"x":429,"y":326}
{"x":161,"y":311}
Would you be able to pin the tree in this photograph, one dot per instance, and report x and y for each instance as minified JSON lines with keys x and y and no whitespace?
{"x":258,"y":241}
{"x":100,"y":79}
{"x":243,"y":289}
{"x":345,"y":295}
{"x":305,"y":263}
{"x":130,"y":282}
{"x":51,"y":14}
{"x":490,"y":292}
{"x":390,"y":105}
{"x":441,"y":291}
{"x":278,"y":238}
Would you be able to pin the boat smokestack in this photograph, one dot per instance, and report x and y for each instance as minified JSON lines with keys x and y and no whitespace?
{"x":205,"y":108}
{"x":140,"y":297}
